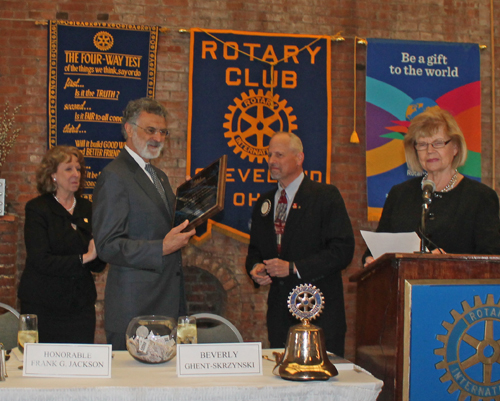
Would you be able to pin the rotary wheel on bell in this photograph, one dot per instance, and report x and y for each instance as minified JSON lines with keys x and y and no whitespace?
{"x":306,"y":302}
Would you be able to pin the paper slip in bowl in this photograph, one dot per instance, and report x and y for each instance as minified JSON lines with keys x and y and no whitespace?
{"x":67,"y":360}
{"x":226,"y":359}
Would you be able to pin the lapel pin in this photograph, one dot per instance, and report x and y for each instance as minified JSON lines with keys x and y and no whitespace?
{"x":85,"y":220}
{"x":265,"y":208}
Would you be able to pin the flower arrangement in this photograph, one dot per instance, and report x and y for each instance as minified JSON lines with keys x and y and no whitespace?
{"x":7,"y":135}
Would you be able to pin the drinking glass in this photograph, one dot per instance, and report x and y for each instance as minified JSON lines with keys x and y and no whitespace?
{"x":28,"y":330}
{"x":186,"y":330}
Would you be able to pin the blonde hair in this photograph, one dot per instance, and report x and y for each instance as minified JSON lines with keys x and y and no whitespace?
{"x":425,"y":125}
{"x":50,"y":162}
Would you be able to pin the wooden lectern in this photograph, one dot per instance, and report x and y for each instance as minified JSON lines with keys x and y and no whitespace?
{"x":381,"y":336}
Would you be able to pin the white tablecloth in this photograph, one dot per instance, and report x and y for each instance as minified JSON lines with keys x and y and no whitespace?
{"x":132,"y":380}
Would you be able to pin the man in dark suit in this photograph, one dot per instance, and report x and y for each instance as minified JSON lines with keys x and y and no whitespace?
{"x":132,"y":225}
{"x":314,"y":246}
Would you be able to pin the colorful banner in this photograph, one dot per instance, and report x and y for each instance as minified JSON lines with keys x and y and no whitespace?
{"x":244,"y":87}
{"x":453,"y":330}
{"x":403,"y":78}
{"x":95,"y":69}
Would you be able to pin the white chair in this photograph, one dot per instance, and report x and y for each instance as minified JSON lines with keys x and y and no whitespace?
{"x":9,"y":322}
{"x":216,"y":329}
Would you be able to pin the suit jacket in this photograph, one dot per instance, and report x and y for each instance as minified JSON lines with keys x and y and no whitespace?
{"x":319,"y":239}
{"x":130,"y":221}
{"x":54,"y":275}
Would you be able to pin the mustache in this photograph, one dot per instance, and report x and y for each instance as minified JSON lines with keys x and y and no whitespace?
{"x":154,"y":143}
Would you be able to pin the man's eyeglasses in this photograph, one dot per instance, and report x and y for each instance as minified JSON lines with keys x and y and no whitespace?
{"x":152,"y":130}
{"x":435,"y":144}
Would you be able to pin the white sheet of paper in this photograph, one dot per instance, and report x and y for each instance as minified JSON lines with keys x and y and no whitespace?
{"x":380,"y":243}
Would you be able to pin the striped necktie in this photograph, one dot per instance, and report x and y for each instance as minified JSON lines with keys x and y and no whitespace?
{"x":280,"y":219}
{"x":156,"y":181}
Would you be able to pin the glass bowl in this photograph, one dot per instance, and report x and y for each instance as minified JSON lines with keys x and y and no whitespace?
{"x":151,"y":339}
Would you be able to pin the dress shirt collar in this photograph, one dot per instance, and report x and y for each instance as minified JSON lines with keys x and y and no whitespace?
{"x":139,"y":160}
{"x":290,"y":190}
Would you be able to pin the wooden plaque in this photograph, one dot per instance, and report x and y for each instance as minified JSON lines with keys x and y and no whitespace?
{"x":201,"y":197}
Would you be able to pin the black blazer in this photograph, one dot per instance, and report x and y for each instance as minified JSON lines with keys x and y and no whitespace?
{"x":319,"y":239}
{"x":463,"y":220}
{"x":54,"y":275}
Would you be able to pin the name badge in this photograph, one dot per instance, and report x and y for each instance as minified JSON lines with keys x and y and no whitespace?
{"x":67,"y":360}
{"x":227,"y":359}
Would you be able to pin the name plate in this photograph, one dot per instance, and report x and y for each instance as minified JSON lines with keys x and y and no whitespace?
{"x":67,"y":360}
{"x":227,"y":359}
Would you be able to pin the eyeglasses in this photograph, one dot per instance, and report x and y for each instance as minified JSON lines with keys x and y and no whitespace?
{"x":152,"y":130}
{"x":436,"y":144}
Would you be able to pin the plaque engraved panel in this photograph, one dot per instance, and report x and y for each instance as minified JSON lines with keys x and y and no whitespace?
{"x":201,"y":197}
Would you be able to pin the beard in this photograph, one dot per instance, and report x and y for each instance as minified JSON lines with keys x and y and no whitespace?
{"x":143,"y":150}
{"x":275,"y":174}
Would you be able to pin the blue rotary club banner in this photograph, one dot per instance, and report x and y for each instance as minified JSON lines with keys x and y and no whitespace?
{"x":454,"y":350}
{"x":403,"y":78}
{"x":95,"y":69}
{"x":244,"y":87}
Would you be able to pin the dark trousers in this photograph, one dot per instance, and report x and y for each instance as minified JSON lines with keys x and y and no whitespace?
{"x":74,"y":326}
{"x":117,"y":340}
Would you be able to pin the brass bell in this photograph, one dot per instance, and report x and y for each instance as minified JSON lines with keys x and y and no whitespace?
{"x":305,"y":355}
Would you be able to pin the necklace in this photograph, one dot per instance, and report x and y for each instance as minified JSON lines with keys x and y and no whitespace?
{"x":72,"y":206}
{"x":451,"y":184}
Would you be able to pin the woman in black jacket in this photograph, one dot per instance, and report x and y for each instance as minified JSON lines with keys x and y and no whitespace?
{"x":57,"y":282}
{"x":463,"y":213}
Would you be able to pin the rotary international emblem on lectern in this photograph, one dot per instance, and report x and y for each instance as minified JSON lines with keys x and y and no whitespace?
{"x":471,"y":351}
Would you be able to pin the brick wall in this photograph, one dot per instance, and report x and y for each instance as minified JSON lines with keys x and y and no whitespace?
{"x":23,"y":69}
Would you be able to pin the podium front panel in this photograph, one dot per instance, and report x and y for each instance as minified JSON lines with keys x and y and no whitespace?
{"x":451,"y":340}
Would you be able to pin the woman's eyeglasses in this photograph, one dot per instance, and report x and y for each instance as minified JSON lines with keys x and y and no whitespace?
{"x":435,"y":144}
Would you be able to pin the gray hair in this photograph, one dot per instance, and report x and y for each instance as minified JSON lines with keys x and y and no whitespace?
{"x":295,"y":142}
{"x":137,"y":106}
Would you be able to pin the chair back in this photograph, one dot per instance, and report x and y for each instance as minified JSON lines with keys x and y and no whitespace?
{"x":216,"y":329}
{"x":9,"y":322}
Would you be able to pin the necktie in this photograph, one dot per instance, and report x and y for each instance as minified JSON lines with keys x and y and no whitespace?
{"x":156,"y":181}
{"x":280,"y":218}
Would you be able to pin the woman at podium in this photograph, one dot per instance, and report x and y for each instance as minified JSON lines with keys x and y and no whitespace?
{"x":458,"y":214}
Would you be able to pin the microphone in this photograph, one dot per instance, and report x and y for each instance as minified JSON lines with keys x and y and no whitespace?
{"x":428,"y":188}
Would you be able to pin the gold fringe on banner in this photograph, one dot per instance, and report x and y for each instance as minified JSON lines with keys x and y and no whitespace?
{"x":354,"y":135}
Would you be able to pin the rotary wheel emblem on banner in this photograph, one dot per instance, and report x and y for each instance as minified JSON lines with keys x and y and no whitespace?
{"x":103,"y":40}
{"x":253,"y":120}
{"x":471,"y":351}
